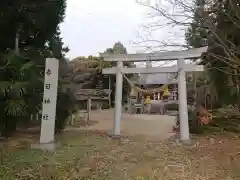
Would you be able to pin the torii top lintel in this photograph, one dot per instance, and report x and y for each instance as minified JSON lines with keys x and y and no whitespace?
{"x":160,"y":56}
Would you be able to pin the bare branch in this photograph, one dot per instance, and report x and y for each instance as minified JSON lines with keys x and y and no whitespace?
{"x":185,"y":18}
{"x":172,"y":17}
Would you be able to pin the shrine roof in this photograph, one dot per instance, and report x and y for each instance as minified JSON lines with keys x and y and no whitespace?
{"x":162,"y":78}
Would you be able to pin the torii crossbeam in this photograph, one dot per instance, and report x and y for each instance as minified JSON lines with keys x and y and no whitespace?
{"x":181,"y":68}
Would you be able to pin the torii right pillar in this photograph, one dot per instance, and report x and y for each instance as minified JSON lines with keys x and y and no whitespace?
{"x":182,"y":102}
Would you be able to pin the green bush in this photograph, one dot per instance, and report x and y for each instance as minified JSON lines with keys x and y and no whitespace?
{"x":224,"y":119}
{"x":227,"y":119}
{"x":65,"y":106}
{"x":194,"y":126}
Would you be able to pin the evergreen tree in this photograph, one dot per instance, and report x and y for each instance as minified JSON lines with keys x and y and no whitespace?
{"x":26,"y":28}
{"x":196,"y":34}
{"x":216,"y":24}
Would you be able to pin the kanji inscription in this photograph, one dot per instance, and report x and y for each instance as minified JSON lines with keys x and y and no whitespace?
{"x":47,"y":86}
{"x":45,"y":117}
{"x":49,"y":72}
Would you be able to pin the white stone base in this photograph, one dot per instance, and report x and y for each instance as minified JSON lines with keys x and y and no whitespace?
{"x":45,"y":146}
{"x":186,"y":143}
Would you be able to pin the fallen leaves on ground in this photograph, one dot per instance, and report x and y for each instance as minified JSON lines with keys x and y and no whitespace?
{"x":88,"y":156}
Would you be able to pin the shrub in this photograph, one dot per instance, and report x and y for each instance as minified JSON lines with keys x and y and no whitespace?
{"x":65,"y":106}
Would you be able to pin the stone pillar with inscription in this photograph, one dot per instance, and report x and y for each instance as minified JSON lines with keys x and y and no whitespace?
{"x":49,"y":101}
{"x":49,"y":104}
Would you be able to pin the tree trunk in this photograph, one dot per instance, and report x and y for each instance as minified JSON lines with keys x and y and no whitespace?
{"x":194,"y":125}
{"x":17,"y":41}
{"x":10,"y":126}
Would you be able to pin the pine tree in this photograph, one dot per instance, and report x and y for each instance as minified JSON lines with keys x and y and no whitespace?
{"x":217,"y":23}
{"x":26,"y":27}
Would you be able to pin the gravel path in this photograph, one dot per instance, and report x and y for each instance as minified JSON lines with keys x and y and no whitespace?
{"x":154,"y":126}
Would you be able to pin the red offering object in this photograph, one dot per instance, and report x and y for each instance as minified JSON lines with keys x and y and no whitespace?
{"x":176,"y":129}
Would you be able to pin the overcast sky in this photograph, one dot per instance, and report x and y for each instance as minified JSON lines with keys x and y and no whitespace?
{"x":91,"y":26}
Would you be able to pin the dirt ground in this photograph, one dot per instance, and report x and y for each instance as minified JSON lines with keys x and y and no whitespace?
{"x":147,"y":125}
{"x":88,"y":153}
{"x":85,"y":154}
{"x":95,"y":156}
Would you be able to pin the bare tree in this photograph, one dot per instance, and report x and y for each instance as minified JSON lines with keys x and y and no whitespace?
{"x":178,"y":15}
{"x":174,"y":17}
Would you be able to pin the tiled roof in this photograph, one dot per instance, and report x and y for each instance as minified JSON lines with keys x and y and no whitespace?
{"x":162,"y":78}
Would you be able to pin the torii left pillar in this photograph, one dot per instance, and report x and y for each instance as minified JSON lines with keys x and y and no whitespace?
{"x":118,"y":101}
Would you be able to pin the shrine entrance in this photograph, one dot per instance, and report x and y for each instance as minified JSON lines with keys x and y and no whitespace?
{"x":181,"y":68}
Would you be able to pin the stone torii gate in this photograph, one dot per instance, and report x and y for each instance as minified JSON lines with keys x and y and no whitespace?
{"x":181,"y":68}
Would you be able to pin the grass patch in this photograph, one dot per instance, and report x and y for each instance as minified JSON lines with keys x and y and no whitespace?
{"x":94,"y":157}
